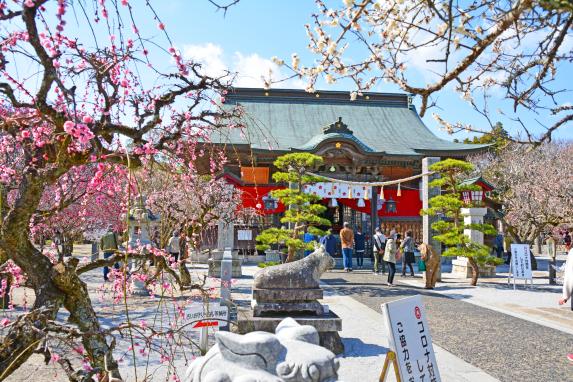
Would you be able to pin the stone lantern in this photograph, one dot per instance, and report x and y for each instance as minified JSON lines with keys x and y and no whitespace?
{"x":472,"y":215}
{"x":140,"y":222}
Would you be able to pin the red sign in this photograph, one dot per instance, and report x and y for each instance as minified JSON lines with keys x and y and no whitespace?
{"x":205,"y":324}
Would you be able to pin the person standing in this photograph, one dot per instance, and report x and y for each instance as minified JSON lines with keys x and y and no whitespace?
{"x":507,"y":247}
{"x":407,"y":246}
{"x":499,"y":245}
{"x":378,"y":250}
{"x":390,"y":259}
{"x":359,"y":247}
{"x":567,"y":240}
{"x":108,"y":244}
{"x":347,"y":242}
{"x":568,"y":286}
{"x":329,"y":242}
{"x":393,"y":233}
{"x":432,"y":264}
{"x":173,"y":246}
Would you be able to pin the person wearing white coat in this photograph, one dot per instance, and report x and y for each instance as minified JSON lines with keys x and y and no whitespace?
{"x":568,"y":287}
{"x":568,"y":280}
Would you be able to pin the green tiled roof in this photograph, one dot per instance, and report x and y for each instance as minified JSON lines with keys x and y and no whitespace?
{"x":294,"y":120}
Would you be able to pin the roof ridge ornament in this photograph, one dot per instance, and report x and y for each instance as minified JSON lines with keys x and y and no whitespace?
{"x":337,"y":127}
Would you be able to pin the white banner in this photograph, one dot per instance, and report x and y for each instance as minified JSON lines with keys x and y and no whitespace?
{"x":245,"y":235}
{"x":521,"y":262}
{"x":410,"y":339}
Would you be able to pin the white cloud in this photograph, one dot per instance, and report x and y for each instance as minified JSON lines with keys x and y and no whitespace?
{"x":250,"y":68}
{"x":209,"y":54}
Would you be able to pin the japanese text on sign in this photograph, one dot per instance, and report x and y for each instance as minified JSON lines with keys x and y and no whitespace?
{"x":520,"y":261}
{"x":244,"y":235}
{"x":207,"y":315}
{"x":410,"y":339}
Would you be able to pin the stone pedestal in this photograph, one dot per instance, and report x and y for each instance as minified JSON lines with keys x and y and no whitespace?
{"x":327,"y":324}
{"x":215,"y":264}
{"x":293,"y":290}
{"x":460,"y":266}
{"x":269,"y":302}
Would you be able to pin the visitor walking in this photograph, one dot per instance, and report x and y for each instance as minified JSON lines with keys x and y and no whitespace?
{"x":329,"y":242}
{"x":567,"y":240}
{"x":407,"y":246}
{"x":359,"y":247}
{"x":432,"y":262}
{"x":499,"y":245}
{"x":108,"y":244}
{"x":347,"y":242}
{"x":390,"y":258}
{"x":378,"y":251}
{"x":173,"y":247}
{"x":568,"y":286}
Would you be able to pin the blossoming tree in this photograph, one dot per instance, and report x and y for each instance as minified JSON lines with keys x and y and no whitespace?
{"x":533,"y":185}
{"x":515,"y":50}
{"x":72,"y":101}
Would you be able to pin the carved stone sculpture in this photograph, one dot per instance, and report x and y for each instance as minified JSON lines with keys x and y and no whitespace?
{"x":301,"y":274}
{"x":292,"y":287}
{"x":292,"y":354}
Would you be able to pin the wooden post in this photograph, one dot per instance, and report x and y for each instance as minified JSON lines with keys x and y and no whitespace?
{"x":390,"y":357}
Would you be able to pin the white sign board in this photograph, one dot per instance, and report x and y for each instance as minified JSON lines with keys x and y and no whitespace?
{"x":244,"y":235}
{"x":207,"y":316}
{"x":410,"y":339}
{"x":520,"y":266}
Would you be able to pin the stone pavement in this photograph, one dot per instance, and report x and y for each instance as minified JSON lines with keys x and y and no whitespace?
{"x":364,"y":337}
{"x":506,"y":347}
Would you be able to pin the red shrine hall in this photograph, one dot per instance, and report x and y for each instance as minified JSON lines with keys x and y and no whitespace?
{"x":376,"y":138}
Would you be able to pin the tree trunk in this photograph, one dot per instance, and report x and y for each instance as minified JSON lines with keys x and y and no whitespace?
{"x":54,"y":286}
{"x":475,"y":271}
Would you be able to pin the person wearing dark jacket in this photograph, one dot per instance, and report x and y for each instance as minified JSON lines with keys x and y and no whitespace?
{"x":359,"y":247}
{"x":408,"y":258}
{"x":329,"y":242}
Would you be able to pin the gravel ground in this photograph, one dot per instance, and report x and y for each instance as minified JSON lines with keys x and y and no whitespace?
{"x":508,"y":348}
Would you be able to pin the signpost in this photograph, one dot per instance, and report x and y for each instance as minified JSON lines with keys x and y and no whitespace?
{"x":205,"y":316}
{"x":411,"y":351}
{"x":520,"y":265}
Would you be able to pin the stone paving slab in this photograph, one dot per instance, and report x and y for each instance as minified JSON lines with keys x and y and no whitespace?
{"x":536,"y":304}
{"x":505,"y":347}
{"x":366,"y":344}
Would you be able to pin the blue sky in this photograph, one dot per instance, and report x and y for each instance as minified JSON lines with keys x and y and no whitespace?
{"x":253,"y":31}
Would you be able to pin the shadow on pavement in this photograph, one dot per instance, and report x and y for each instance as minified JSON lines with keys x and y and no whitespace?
{"x":355,"y":347}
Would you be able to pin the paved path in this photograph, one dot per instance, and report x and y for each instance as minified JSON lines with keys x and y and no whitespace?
{"x":506,"y":347}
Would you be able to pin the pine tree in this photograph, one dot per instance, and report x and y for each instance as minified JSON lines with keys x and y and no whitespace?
{"x":451,"y":229}
{"x":303,"y":212}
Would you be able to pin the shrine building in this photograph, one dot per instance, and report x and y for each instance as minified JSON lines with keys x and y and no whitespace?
{"x":377,"y":137}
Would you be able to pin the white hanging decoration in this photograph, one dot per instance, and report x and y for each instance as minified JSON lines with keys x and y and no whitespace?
{"x":332,"y":203}
{"x":379,"y":204}
{"x":361,"y":203}
{"x":382,"y":193}
{"x":399,"y":190}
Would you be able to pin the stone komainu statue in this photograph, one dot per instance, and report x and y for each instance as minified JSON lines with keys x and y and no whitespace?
{"x":292,"y":354}
{"x":301,"y":274}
